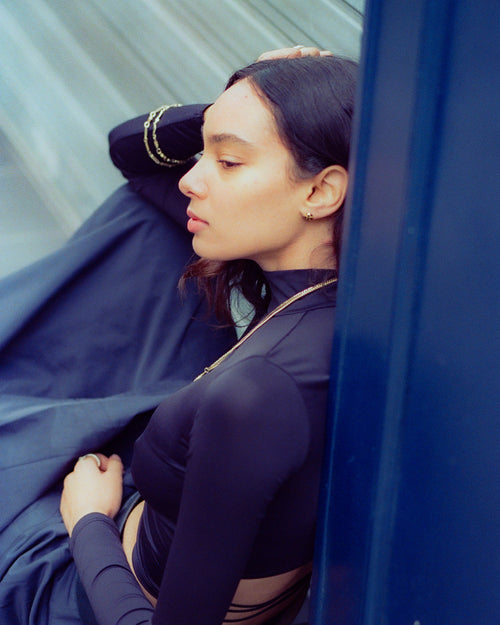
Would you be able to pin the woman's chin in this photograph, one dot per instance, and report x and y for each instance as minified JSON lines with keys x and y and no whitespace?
{"x":204,"y":251}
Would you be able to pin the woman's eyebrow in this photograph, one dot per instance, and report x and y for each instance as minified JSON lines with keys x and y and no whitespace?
{"x":222,"y":137}
{"x":227,"y":137}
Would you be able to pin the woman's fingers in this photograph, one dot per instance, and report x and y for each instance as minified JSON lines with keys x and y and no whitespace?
{"x":293,"y":52}
{"x":101,"y":461}
{"x":281,"y":53}
{"x":114,"y":465}
{"x":308,"y":51}
{"x":312,"y":51}
{"x":90,"y":456}
{"x":92,"y":488}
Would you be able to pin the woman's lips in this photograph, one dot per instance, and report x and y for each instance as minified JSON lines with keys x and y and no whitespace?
{"x":195,"y":224}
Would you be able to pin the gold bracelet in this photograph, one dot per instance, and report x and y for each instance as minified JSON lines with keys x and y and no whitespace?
{"x":155,"y":117}
{"x":166,"y":159}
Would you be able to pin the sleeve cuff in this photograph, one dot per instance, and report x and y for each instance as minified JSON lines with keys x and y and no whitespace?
{"x":89,"y":519}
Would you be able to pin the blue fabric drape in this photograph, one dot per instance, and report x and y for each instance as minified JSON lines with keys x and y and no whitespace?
{"x":92,"y":338}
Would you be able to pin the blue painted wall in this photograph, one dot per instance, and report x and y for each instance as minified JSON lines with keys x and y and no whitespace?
{"x":410,"y":523}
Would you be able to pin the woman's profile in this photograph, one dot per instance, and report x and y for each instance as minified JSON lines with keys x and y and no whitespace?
{"x":227,"y":469}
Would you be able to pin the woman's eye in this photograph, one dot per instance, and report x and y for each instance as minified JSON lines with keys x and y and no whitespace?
{"x":227,"y":164}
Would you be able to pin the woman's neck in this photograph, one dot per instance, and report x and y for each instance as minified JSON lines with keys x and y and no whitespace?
{"x":321,"y":257}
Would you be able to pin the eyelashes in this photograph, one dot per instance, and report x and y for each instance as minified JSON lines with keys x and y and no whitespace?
{"x":227,"y":164}
{"x":224,"y":163}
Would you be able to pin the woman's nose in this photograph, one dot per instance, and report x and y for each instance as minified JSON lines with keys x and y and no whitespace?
{"x":192,"y":183}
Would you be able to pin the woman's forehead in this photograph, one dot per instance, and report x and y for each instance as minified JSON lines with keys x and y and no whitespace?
{"x":239,"y":111}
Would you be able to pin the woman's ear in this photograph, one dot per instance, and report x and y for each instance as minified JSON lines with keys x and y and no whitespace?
{"x":327,"y":192}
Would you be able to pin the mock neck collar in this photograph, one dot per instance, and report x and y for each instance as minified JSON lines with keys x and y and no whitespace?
{"x":285,"y":284}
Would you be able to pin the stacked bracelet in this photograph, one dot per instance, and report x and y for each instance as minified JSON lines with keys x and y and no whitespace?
{"x":152,"y":122}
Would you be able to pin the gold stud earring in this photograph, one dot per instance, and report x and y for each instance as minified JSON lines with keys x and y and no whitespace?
{"x":308,"y":216}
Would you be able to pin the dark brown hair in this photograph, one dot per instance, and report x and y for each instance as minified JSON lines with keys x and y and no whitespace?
{"x":312,"y":101}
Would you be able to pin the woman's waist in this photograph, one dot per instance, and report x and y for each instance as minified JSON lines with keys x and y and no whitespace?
{"x":129,"y":539}
{"x":255,"y":600}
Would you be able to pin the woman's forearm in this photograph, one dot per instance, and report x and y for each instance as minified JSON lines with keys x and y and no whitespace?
{"x":113,"y":591}
{"x":176,"y":136}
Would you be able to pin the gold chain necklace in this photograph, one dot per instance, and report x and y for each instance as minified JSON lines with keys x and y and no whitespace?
{"x":274,"y":312}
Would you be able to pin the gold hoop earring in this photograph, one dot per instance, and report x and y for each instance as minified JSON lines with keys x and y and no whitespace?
{"x":308,"y":216}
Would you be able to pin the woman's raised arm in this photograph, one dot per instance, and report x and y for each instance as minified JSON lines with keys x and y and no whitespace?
{"x":155,"y":150}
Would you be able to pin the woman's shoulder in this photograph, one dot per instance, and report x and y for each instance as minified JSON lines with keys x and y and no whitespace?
{"x":249,"y":382}
{"x":298,"y":341}
{"x":253,"y":396}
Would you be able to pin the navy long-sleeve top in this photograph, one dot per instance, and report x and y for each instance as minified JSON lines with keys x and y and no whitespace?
{"x":229,"y":466}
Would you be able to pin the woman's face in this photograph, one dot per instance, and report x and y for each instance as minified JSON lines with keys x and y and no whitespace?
{"x":244,"y":203}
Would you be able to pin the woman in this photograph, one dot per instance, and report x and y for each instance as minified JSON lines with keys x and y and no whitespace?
{"x":229,"y":466}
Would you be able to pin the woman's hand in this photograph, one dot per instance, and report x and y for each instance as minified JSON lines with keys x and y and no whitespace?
{"x":293,"y":53}
{"x":90,"y":488}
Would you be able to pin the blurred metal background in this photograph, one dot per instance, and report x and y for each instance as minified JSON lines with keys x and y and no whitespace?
{"x":72,"y":70}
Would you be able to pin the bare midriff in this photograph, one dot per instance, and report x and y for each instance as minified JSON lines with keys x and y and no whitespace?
{"x":249,"y":591}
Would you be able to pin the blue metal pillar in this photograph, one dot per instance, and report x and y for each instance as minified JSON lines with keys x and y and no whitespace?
{"x":409,"y":529}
